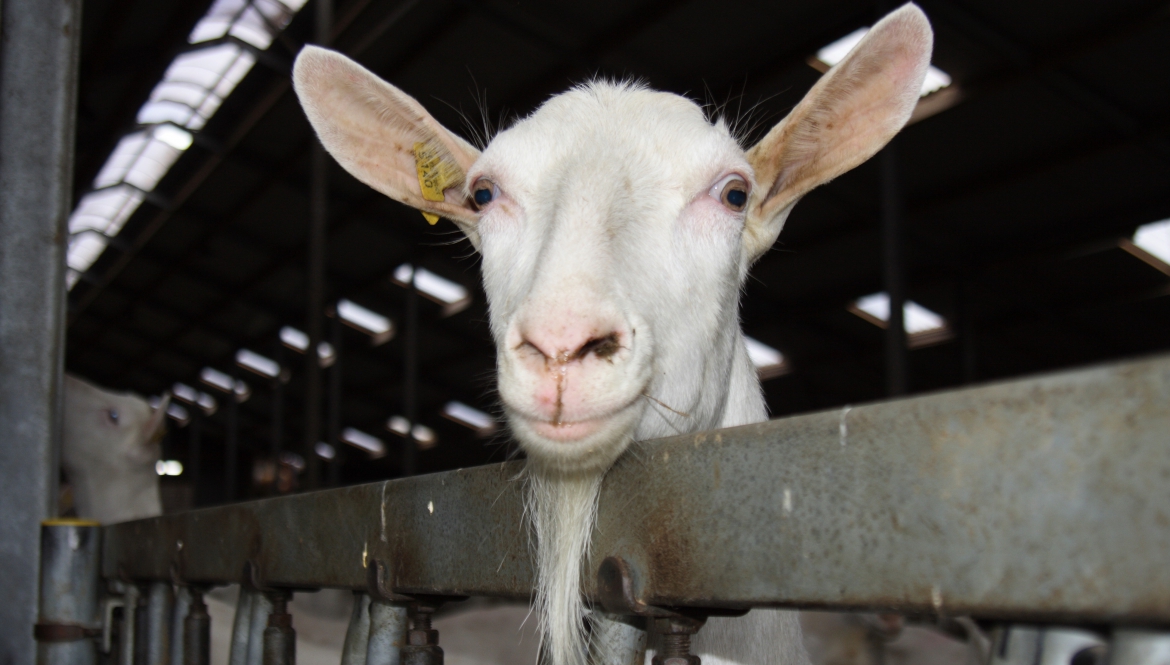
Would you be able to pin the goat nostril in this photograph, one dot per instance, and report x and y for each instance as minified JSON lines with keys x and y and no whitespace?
{"x":529,"y":348}
{"x":602,"y":347}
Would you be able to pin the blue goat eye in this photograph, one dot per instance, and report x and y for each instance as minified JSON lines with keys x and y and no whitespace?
{"x":483,"y":193}
{"x":736,"y":198}
{"x":732,"y":192}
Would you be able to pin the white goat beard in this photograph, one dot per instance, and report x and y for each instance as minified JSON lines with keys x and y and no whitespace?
{"x":563,"y":509}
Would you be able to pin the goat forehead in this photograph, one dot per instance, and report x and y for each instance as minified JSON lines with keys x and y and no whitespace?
{"x":616,"y":135}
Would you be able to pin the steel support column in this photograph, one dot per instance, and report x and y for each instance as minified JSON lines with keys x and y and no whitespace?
{"x":894,"y":272}
{"x":38,"y":88}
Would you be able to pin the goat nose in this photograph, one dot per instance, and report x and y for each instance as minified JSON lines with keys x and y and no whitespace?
{"x":567,"y":346}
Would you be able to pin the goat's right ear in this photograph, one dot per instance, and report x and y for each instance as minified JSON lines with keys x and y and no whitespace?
{"x":854,"y":110}
{"x":385,"y":138}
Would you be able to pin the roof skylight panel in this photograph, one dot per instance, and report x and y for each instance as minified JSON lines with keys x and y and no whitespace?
{"x":379,"y":327}
{"x":256,"y":22}
{"x":936,"y":79}
{"x":454,"y":297}
{"x":1155,"y":239}
{"x":482,"y":423}
{"x":105,"y":210}
{"x":195,"y":85}
{"x":769,"y":362}
{"x":84,"y":249}
{"x":922,"y":325}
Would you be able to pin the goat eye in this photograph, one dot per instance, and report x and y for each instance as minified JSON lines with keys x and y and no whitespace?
{"x":732,"y":191}
{"x":113,"y":415}
{"x":483,"y":192}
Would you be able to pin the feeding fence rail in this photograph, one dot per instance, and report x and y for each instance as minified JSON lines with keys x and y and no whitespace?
{"x":1036,"y":503}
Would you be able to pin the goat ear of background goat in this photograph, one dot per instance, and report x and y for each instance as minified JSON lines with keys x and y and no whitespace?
{"x":371,"y":128}
{"x":850,"y":114}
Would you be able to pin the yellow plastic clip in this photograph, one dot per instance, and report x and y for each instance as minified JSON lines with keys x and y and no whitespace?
{"x":435,"y":174}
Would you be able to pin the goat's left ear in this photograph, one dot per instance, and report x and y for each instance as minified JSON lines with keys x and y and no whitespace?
{"x":384,"y":137}
{"x":850,"y":114}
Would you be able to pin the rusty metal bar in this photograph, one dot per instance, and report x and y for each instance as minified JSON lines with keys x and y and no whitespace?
{"x":1042,"y":500}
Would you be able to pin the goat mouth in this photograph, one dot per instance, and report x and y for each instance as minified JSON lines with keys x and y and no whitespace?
{"x":566,"y":431}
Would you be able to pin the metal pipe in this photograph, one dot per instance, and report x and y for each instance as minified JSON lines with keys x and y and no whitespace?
{"x":1016,"y":645}
{"x":277,"y":418}
{"x":68,"y":618}
{"x":232,"y":444}
{"x":318,"y":224}
{"x":617,"y":639}
{"x":357,"y":635}
{"x":195,"y":455}
{"x":410,"y":378}
{"x":334,"y":426}
{"x":241,"y":628}
{"x":178,"y":621}
{"x":280,"y":640}
{"x":128,"y":637}
{"x":874,"y":507}
{"x":261,"y":608}
{"x":197,"y":632}
{"x":1131,"y":646}
{"x":894,"y":273}
{"x":159,"y":601}
{"x":387,"y":633}
{"x":38,"y":89}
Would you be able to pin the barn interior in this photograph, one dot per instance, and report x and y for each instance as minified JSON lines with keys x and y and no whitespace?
{"x":1018,"y":217}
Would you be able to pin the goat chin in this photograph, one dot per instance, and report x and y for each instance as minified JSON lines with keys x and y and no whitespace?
{"x":563,"y":509}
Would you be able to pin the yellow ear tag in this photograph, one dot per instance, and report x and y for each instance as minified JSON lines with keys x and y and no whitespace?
{"x":434,"y":175}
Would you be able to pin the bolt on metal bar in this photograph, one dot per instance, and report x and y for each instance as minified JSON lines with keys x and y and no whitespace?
{"x":1040,"y":500}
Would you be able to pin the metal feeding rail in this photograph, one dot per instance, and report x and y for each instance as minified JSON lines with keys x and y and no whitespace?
{"x":1045,"y":500}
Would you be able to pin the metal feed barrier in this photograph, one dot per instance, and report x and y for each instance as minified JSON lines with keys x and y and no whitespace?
{"x":1041,"y":506}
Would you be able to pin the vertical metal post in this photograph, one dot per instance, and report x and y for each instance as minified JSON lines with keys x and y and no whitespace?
{"x":261,"y":608}
{"x":195,"y":455}
{"x":410,"y":377}
{"x":159,"y":600}
{"x":196,"y":632}
{"x":965,"y":325}
{"x":38,"y":89}
{"x":357,"y":635}
{"x":280,"y":640}
{"x":1016,"y":645}
{"x":335,"y":405}
{"x":241,"y":628}
{"x":277,"y":417}
{"x":617,"y":639}
{"x":318,"y":220}
{"x":70,"y":552}
{"x":178,"y":621}
{"x":128,"y":637}
{"x":387,"y":633}
{"x":894,"y":272}
{"x":232,"y":445}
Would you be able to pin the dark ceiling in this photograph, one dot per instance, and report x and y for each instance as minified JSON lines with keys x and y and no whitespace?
{"x":1054,"y":146}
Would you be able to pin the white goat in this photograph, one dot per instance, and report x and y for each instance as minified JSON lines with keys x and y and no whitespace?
{"x":109,"y":448}
{"x":617,"y":225}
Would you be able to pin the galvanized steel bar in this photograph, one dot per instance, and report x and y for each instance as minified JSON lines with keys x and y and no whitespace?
{"x":38,"y":90}
{"x":196,"y":632}
{"x":1044,"y":499}
{"x":357,"y":635}
{"x":69,"y":620}
{"x":159,"y":606}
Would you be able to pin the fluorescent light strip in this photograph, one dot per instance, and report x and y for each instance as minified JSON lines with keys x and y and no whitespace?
{"x":170,"y":467}
{"x":262,"y":365}
{"x":936,"y":79}
{"x":297,"y":340}
{"x":377,"y":326}
{"x":367,"y":442}
{"x":399,"y":425}
{"x":324,"y":450}
{"x":769,"y":362}
{"x":428,"y":283}
{"x":470,"y":417}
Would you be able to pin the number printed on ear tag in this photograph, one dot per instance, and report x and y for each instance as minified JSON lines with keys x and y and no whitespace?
{"x":435,"y":174}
